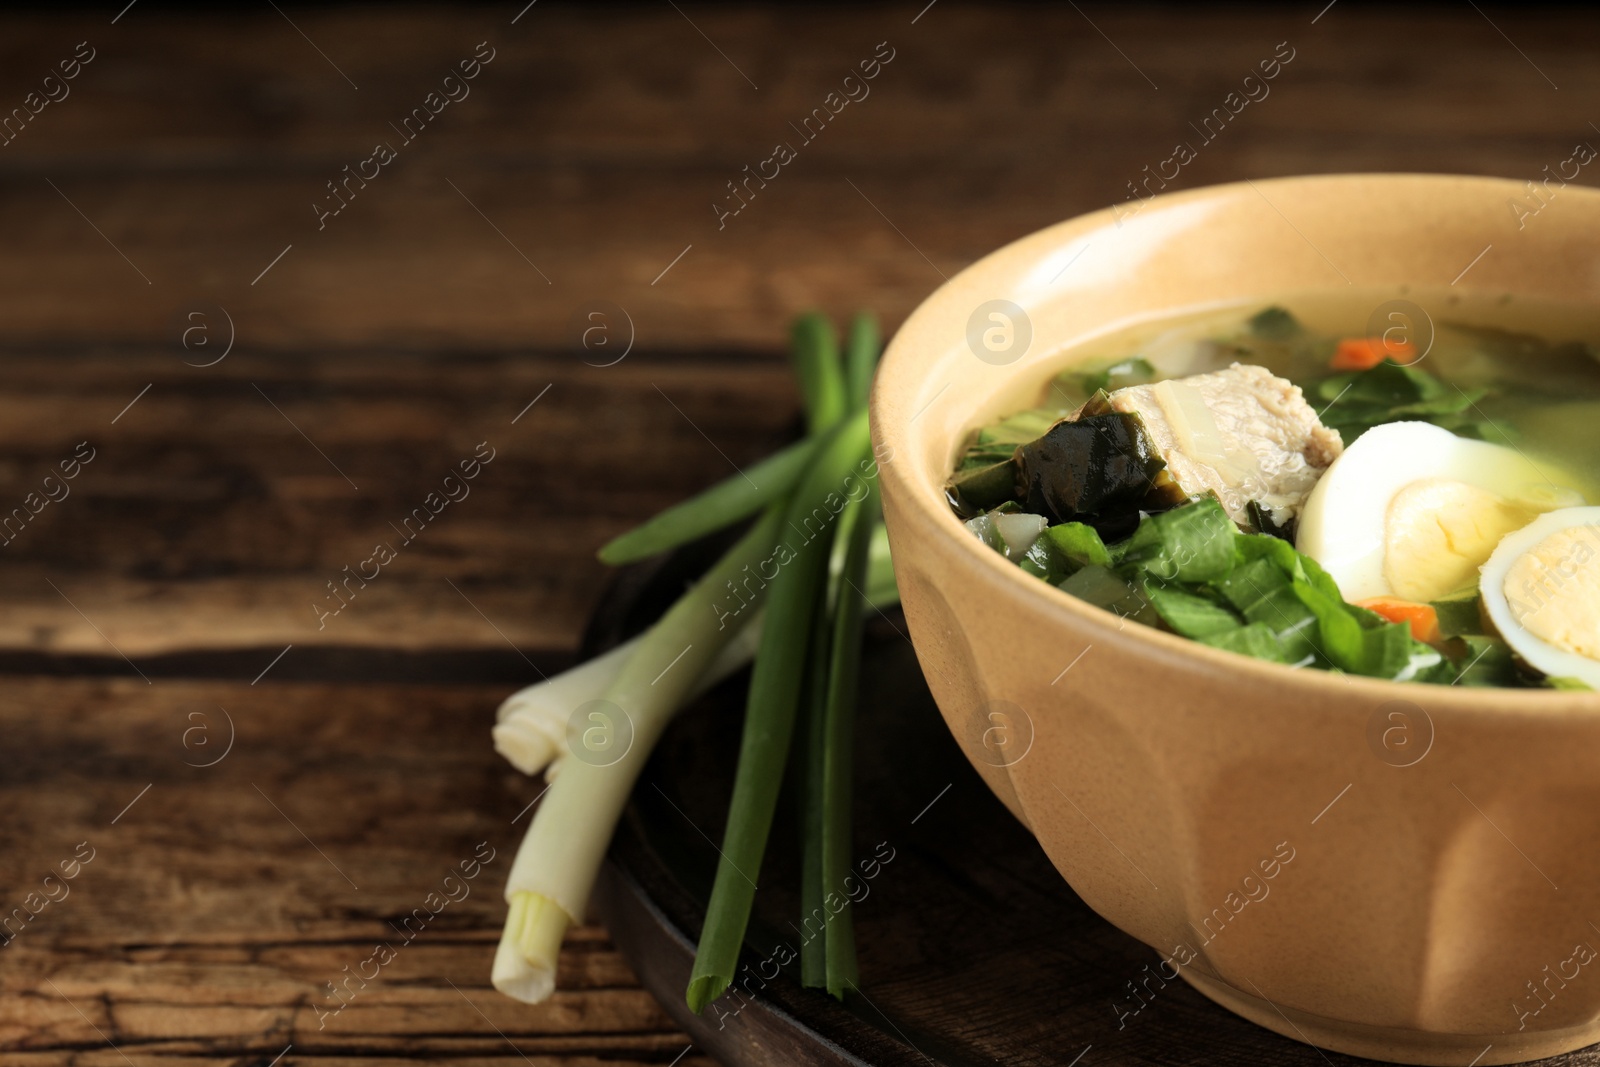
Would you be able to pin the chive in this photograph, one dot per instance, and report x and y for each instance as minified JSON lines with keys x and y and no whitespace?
{"x":725,"y":503}
{"x":838,"y":763}
{"x":816,"y":363}
{"x":771,"y":707}
{"x":860,"y":359}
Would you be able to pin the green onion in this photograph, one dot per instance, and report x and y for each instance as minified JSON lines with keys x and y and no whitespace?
{"x":725,"y":503}
{"x":827,"y":796}
{"x":816,"y":364}
{"x":807,"y":632}
{"x":860,"y":360}
{"x":813,"y":888}
{"x":530,"y":730}
{"x":844,"y":672}
{"x":772,"y":706}
{"x":548,"y":886}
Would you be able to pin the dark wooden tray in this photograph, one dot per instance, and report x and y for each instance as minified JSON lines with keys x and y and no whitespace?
{"x":973,"y":950}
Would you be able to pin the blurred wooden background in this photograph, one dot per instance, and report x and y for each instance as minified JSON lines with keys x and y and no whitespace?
{"x":163,"y":207}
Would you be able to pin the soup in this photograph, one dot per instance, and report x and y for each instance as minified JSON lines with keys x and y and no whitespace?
{"x":1332,"y":482}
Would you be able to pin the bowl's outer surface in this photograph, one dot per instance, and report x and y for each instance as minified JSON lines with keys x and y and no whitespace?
{"x":1404,"y":872}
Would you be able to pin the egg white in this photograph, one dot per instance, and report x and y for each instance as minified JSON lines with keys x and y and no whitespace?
{"x":1561,"y":592}
{"x":1345,"y":524}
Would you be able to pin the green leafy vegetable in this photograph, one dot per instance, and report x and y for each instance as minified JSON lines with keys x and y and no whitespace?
{"x":1104,"y":589}
{"x":1255,"y":640}
{"x":1482,"y":661}
{"x":1080,"y":543}
{"x":1356,"y":401}
{"x":1193,"y":615}
{"x":1019,"y":429}
{"x":1573,"y":684}
{"x":1274,"y":324}
{"x":1135,"y":370}
{"x":1194,"y":572}
{"x":1461,"y":616}
{"x":1194,"y":543}
{"x":1265,"y":594}
{"x":979,"y":489}
{"x":1044,"y":560}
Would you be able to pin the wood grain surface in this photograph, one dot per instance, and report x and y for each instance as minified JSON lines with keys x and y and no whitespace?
{"x":162,"y":214}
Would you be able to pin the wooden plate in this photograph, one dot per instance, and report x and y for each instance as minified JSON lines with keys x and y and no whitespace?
{"x":973,"y":950}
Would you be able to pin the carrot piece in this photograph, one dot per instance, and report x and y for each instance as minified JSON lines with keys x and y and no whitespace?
{"x":1364,"y":353}
{"x":1422,"y":618}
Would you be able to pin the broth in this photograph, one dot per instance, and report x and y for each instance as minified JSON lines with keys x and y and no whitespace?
{"x":1153,"y":474}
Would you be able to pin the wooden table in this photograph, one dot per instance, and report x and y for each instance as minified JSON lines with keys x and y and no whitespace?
{"x":269,"y":390}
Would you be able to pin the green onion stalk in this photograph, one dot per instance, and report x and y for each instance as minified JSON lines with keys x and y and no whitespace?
{"x":770,"y":713}
{"x":830,"y":567}
{"x":548,"y":887}
{"x":829,"y":960}
{"x":531,"y":725}
{"x":836,"y":745}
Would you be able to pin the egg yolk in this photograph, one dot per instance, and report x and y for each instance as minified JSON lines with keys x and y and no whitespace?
{"x":1438,"y":532}
{"x":1553,"y":591}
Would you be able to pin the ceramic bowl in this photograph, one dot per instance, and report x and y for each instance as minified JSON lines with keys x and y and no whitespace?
{"x":1398,"y":872}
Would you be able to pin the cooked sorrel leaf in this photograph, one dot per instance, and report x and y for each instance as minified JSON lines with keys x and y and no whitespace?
{"x":1190,"y":614}
{"x":1253,"y":594}
{"x":1136,"y":370}
{"x":1079,"y":543}
{"x":1359,"y":400}
{"x":1095,"y":470}
{"x":1359,"y":642}
{"x":1045,"y":560}
{"x":1274,"y":324}
{"x":972,"y":492}
{"x":1105,"y":589}
{"x":1255,"y":640}
{"x":1193,"y":543}
{"x":998,"y":443}
{"x":1576,"y":685}
{"x":1264,"y":594}
{"x":1480,"y":660}
{"x":1460,"y":617}
{"x":1020,"y":428}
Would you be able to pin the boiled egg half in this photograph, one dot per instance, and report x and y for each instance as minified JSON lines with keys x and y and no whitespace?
{"x":1541,"y":589}
{"x":1413,"y":511}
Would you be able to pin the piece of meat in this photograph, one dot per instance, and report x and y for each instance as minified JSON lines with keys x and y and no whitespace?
{"x":1241,"y":434}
